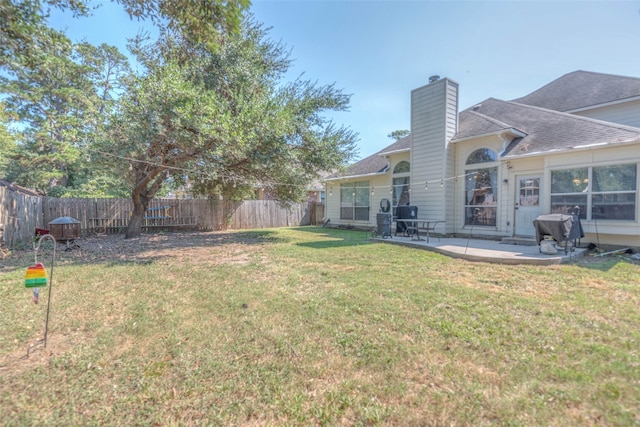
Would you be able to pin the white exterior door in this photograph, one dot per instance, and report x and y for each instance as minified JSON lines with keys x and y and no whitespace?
{"x":527,"y":206}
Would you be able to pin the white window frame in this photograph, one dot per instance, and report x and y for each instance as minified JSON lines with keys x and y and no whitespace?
{"x":351,"y":194}
{"x":587,"y":193}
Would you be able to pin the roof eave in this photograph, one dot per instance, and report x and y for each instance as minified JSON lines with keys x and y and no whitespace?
{"x":513,"y":132}
{"x":572,"y":149}
{"x":387,"y":153}
{"x":365,"y":175}
{"x":604,"y":104}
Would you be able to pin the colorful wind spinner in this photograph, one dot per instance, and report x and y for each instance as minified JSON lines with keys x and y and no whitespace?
{"x":36,"y":276}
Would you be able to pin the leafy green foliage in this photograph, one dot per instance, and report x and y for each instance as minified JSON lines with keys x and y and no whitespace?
{"x":210,"y":112}
{"x":398,"y":134}
{"x":24,"y":35}
{"x":224,"y":122}
{"x":24,"y":32}
{"x":62,"y":92}
{"x":202,"y":22}
{"x":62,"y":102}
{"x":7,"y":141}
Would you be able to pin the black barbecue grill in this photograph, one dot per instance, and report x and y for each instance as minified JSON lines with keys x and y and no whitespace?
{"x":405,"y":213}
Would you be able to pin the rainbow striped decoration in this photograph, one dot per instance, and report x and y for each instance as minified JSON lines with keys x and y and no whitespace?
{"x":36,"y":276}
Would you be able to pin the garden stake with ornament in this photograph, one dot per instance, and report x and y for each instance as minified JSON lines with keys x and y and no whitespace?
{"x":35,"y":278}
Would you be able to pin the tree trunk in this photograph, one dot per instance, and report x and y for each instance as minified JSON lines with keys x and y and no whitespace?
{"x":141,"y":195}
{"x":140,"y":204}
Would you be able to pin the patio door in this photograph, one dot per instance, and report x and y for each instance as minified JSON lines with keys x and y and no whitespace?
{"x":527,"y":205}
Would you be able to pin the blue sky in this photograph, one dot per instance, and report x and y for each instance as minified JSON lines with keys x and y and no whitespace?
{"x":378,"y":51}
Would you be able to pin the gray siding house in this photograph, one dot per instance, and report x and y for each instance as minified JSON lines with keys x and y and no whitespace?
{"x":498,"y":165}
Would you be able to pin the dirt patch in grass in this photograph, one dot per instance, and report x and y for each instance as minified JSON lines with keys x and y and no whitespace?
{"x":210,"y":247}
{"x":36,"y":355}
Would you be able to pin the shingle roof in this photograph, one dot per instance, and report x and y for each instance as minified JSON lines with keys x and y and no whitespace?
{"x":548,"y":130}
{"x":375,"y":163}
{"x":17,"y":188}
{"x":538,"y":115}
{"x":399,"y":145}
{"x":581,"y":89}
{"x":371,"y":164}
{"x":471,"y":123}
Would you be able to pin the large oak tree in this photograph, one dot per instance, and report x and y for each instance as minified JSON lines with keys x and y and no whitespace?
{"x":224,"y":121}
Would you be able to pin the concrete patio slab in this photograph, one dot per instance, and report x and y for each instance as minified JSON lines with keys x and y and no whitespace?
{"x":487,"y":250}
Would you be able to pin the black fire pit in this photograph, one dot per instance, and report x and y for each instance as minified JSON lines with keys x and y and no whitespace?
{"x":66,"y":229}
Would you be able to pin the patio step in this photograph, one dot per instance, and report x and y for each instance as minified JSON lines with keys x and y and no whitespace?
{"x":523,"y":241}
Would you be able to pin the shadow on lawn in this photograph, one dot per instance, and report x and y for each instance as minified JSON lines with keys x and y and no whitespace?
{"x":114,"y":250}
{"x":335,"y":238}
{"x":604,"y":263}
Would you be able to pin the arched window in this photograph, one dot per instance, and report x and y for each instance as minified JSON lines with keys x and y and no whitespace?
{"x":481,"y":188}
{"x":400,"y":189}
{"x":483,"y":155}
{"x":402,"y":167}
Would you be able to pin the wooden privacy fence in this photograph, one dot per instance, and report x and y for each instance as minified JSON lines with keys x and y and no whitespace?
{"x":21,"y":214}
{"x":112,"y":215}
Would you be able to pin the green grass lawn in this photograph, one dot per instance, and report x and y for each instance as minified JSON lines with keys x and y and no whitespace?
{"x":311,"y":326}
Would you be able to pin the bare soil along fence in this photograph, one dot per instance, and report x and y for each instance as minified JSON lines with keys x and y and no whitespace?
{"x":21,"y":214}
